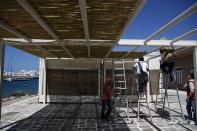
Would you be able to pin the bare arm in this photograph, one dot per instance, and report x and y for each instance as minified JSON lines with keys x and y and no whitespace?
{"x":184,"y":86}
{"x":147,"y":68}
{"x":191,"y":86}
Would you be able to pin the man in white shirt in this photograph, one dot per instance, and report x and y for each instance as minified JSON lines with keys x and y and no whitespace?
{"x":141,"y":69}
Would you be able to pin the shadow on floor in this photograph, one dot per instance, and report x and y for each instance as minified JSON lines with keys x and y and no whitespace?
{"x":67,"y":117}
{"x":163,"y":113}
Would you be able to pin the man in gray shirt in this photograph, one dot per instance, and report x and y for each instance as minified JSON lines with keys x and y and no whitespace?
{"x":190,"y":98}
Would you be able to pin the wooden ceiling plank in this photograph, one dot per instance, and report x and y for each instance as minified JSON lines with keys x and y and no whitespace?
{"x":130,"y":19}
{"x":42,"y":23}
{"x":83,"y":10}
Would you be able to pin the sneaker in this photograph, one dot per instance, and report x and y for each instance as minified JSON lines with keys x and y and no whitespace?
{"x":192,"y":123}
{"x":189,"y":122}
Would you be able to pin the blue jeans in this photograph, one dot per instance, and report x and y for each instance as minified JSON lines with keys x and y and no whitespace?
{"x":191,"y":105}
{"x":170,"y":67}
{"x":106,"y":103}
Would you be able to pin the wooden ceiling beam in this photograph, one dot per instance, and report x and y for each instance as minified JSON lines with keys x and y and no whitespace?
{"x":130,"y":19}
{"x":14,"y":31}
{"x":83,"y":10}
{"x":21,"y":35}
{"x":34,"y":14}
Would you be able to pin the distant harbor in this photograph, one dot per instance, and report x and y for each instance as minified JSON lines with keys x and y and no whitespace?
{"x":21,"y":75}
{"x":20,"y":88}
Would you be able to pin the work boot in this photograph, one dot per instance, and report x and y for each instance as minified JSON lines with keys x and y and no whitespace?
{"x":141,"y":95}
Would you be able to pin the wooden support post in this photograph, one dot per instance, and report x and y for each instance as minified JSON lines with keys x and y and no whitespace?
{"x":99,"y":83}
{"x":195,"y":73}
{"x":2,"y":49}
{"x":148,"y":94}
{"x":42,"y":82}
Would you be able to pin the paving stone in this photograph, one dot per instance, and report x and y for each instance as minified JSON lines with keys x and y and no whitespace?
{"x":89,"y":129}
{"x":113,"y":126}
{"x":144,"y":126}
{"x":160,"y":125}
{"x":121,"y":125}
{"x":135,"y":129}
{"x":120,"y":129}
{"x":105,"y":126}
{"x":91,"y":125}
{"x":107,"y":129}
{"x":148,"y":129}
{"x":80,"y":117}
{"x":169,"y":129}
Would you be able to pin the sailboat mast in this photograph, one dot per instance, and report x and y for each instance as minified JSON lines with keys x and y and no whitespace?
{"x":11,"y":69}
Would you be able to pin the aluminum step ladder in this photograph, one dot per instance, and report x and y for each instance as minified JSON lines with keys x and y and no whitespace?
{"x":164,"y":97}
{"x":140,"y":102}
{"x":120,"y":86}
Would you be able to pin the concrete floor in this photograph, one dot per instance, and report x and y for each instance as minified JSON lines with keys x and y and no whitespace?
{"x":29,"y":115}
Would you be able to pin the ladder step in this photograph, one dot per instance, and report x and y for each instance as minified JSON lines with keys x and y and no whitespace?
{"x":173,"y":102}
{"x":118,"y":93}
{"x":118,"y":68}
{"x":120,"y":81}
{"x":175,"y":108}
{"x":144,"y":115}
{"x":119,"y":75}
{"x":159,"y":102}
{"x":142,"y":98}
{"x":172,"y":95}
{"x":142,"y":102}
{"x":162,"y":98}
{"x":158,"y":98}
{"x":120,"y":88}
{"x":125,"y":101}
{"x":118,"y":62}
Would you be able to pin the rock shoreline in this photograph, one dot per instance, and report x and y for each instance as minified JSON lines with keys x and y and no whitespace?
{"x":16,"y":98}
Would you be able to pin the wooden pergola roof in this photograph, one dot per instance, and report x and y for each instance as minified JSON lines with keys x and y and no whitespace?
{"x":79,"y":28}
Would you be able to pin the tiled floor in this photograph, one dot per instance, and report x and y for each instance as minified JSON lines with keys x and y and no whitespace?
{"x":84,"y":117}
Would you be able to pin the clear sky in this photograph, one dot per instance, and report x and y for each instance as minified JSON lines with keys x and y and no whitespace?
{"x":16,"y":60}
{"x":153,"y":16}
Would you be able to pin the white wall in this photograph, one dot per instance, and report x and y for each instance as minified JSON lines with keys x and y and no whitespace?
{"x":154,"y":64}
{"x":72,"y":64}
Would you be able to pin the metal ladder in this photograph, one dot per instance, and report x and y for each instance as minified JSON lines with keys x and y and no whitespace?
{"x":164,"y":98}
{"x":140,"y":101}
{"x":120,"y":87}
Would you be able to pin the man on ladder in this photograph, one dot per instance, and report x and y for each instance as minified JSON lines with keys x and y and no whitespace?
{"x":168,"y":57}
{"x":142,"y":71}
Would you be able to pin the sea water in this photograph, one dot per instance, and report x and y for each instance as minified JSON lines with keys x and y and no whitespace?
{"x":26,"y":87}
